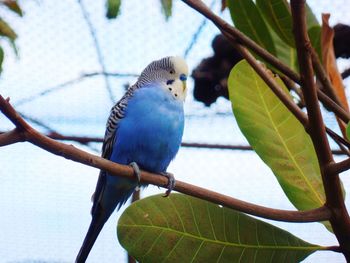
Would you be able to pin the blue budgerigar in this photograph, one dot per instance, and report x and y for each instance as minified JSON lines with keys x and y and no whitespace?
{"x":144,"y":130}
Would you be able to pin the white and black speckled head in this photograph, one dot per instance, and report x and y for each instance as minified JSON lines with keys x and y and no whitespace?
{"x":170,"y":72}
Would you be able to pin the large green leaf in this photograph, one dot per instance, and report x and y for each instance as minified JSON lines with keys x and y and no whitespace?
{"x":181,"y":228}
{"x":113,"y":8}
{"x":277,"y":137}
{"x":247,"y":18}
{"x":277,"y":14}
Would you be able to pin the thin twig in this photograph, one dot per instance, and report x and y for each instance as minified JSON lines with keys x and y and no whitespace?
{"x":77,"y":155}
{"x":195,"y":36}
{"x":85,"y":140}
{"x":323,"y":77}
{"x":71,"y":82}
{"x":338,"y":111}
{"x":97,"y":48}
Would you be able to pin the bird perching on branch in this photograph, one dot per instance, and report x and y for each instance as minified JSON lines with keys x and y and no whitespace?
{"x":144,"y":130}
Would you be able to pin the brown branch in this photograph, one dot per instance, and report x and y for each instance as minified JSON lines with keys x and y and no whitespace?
{"x":85,"y":140}
{"x":239,"y":37}
{"x":11,"y":137}
{"x":339,"y":167}
{"x":239,"y":41}
{"x":329,"y":103}
{"x":74,"y":154}
{"x":340,"y":220}
{"x":323,"y":78}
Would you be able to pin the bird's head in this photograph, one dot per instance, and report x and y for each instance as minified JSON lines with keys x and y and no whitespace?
{"x":170,"y":72}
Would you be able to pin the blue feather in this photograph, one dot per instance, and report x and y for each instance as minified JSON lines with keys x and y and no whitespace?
{"x":149,"y":134}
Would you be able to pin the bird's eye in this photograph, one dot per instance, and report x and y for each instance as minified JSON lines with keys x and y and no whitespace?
{"x":175,"y":95}
{"x":170,"y":81}
{"x":170,"y":89}
{"x":172,"y":71}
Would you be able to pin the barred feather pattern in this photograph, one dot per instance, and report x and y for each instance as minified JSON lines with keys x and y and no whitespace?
{"x":116,"y":114}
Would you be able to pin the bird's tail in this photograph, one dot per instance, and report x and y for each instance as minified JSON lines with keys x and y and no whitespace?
{"x":94,"y":230}
{"x":114,"y":194}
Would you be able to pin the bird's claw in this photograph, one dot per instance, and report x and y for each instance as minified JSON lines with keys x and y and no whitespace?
{"x":137,"y":173}
{"x":171,"y":183}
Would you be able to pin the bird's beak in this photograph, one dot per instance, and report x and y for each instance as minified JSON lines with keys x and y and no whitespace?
{"x":183,"y":78}
{"x":184,"y":85}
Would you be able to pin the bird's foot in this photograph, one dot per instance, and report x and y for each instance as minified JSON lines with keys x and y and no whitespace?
{"x":137,"y":173}
{"x":171,"y":182}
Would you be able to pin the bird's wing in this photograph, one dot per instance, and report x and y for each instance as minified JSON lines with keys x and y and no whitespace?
{"x":116,"y":115}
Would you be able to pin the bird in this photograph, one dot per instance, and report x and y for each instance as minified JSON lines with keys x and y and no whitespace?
{"x":144,"y":130}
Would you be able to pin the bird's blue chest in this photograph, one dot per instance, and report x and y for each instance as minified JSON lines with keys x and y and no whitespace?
{"x":150,"y":132}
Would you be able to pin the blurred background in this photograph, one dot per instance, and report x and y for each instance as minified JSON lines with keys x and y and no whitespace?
{"x":72,"y":65}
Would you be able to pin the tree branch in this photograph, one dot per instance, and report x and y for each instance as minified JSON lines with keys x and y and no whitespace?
{"x":70,"y":82}
{"x":11,"y":137}
{"x":97,"y":48}
{"x":324,"y":79}
{"x":339,"y":167}
{"x":74,"y":154}
{"x":239,"y":37}
{"x":239,"y":41}
{"x":340,"y":220}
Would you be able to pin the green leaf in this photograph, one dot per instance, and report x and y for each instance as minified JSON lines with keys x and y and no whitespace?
{"x":7,"y":31}
{"x":315,"y":38}
{"x":181,"y":228}
{"x":113,"y":8}
{"x":166,"y":8}
{"x":277,"y":14}
{"x":277,"y":137}
{"x":286,"y":53}
{"x":13,"y":6}
{"x":247,"y":18}
{"x":1,"y":58}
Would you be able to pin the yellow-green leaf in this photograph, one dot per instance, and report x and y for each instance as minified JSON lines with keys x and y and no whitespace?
{"x":277,"y":137}
{"x":181,"y":228}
